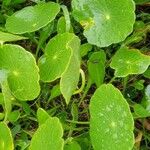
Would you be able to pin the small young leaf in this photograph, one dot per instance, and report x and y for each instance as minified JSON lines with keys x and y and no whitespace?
{"x":23,"y":77}
{"x":72,"y":145}
{"x":7,"y":37}
{"x":42,"y":116}
{"x":129,"y":61}
{"x":55,"y":92}
{"x":14,"y":116}
{"x":111,"y":120}
{"x":61,"y":26}
{"x":140,"y":112}
{"x":32,"y":18}
{"x":85,"y":48}
{"x":147,"y":73}
{"x":105,"y":22}
{"x":48,"y":136}
{"x":6,"y":140}
{"x":96,"y":67}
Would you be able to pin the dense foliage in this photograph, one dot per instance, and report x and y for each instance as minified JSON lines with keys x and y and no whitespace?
{"x":74,"y":75}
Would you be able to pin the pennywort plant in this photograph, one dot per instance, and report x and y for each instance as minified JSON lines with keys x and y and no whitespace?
{"x":66,"y":71}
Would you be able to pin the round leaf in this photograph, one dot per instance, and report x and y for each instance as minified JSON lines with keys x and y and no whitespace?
{"x":129,"y":61}
{"x":111,"y":123}
{"x":57,"y":55}
{"x":48,"y":136}
{"x":6,"y":140}
{"x":105,"y":21}
{"x":22,"y":72}
{"x":32,"y":18}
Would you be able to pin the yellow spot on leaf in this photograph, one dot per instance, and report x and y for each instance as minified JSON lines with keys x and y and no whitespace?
{"x":113,"y":124}
{"x":107,"y":17}
{"x":87,"y":23}
{"x":16,"y":73}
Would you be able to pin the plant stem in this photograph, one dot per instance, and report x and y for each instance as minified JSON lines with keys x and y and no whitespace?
{"x":83,"y":82}
{"x":125,"y":81}
{"x":78,"y":122}
{"x":7,"y":98}
{"x":67,"y":17}
{"x":85,"y":91}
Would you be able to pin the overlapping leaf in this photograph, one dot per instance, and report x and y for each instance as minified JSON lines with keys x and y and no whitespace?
{"x":129,"y":61}
{"x":32,"y":18}
{"x":111,"y":123}
{"x":105,"y":21}
{"x":62,"y":59}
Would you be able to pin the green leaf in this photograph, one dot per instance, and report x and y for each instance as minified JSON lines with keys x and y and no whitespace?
{"x":6,"y":140}
{"x":48,"y":136}
{"x":139,"y":84}
{"x":62,"y":59}
{"x":32,"y":18}
{"x":1,"y":99}
{"x":72,"y":145}
{"x":8,"y":97}
{"x":96,"y":67}
{"x":56,"y":58}
{"x":105,"y":22}
{"x":7,"y":37}
{"x":129,"y":61}
{"x":14,"y":116}
{"x":70,"y":77}
{"x":147,"y":93}
{"x":22,"y":72}
{"x":147,"y":73}
{"x":85,"y":48}
{"x":61,"y":26}
{"x":140,"y":111}
{"x":6,"y":2}
{"x":111,"y":123}
{"x":55,"y":92}
{"x":42,"y":116}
